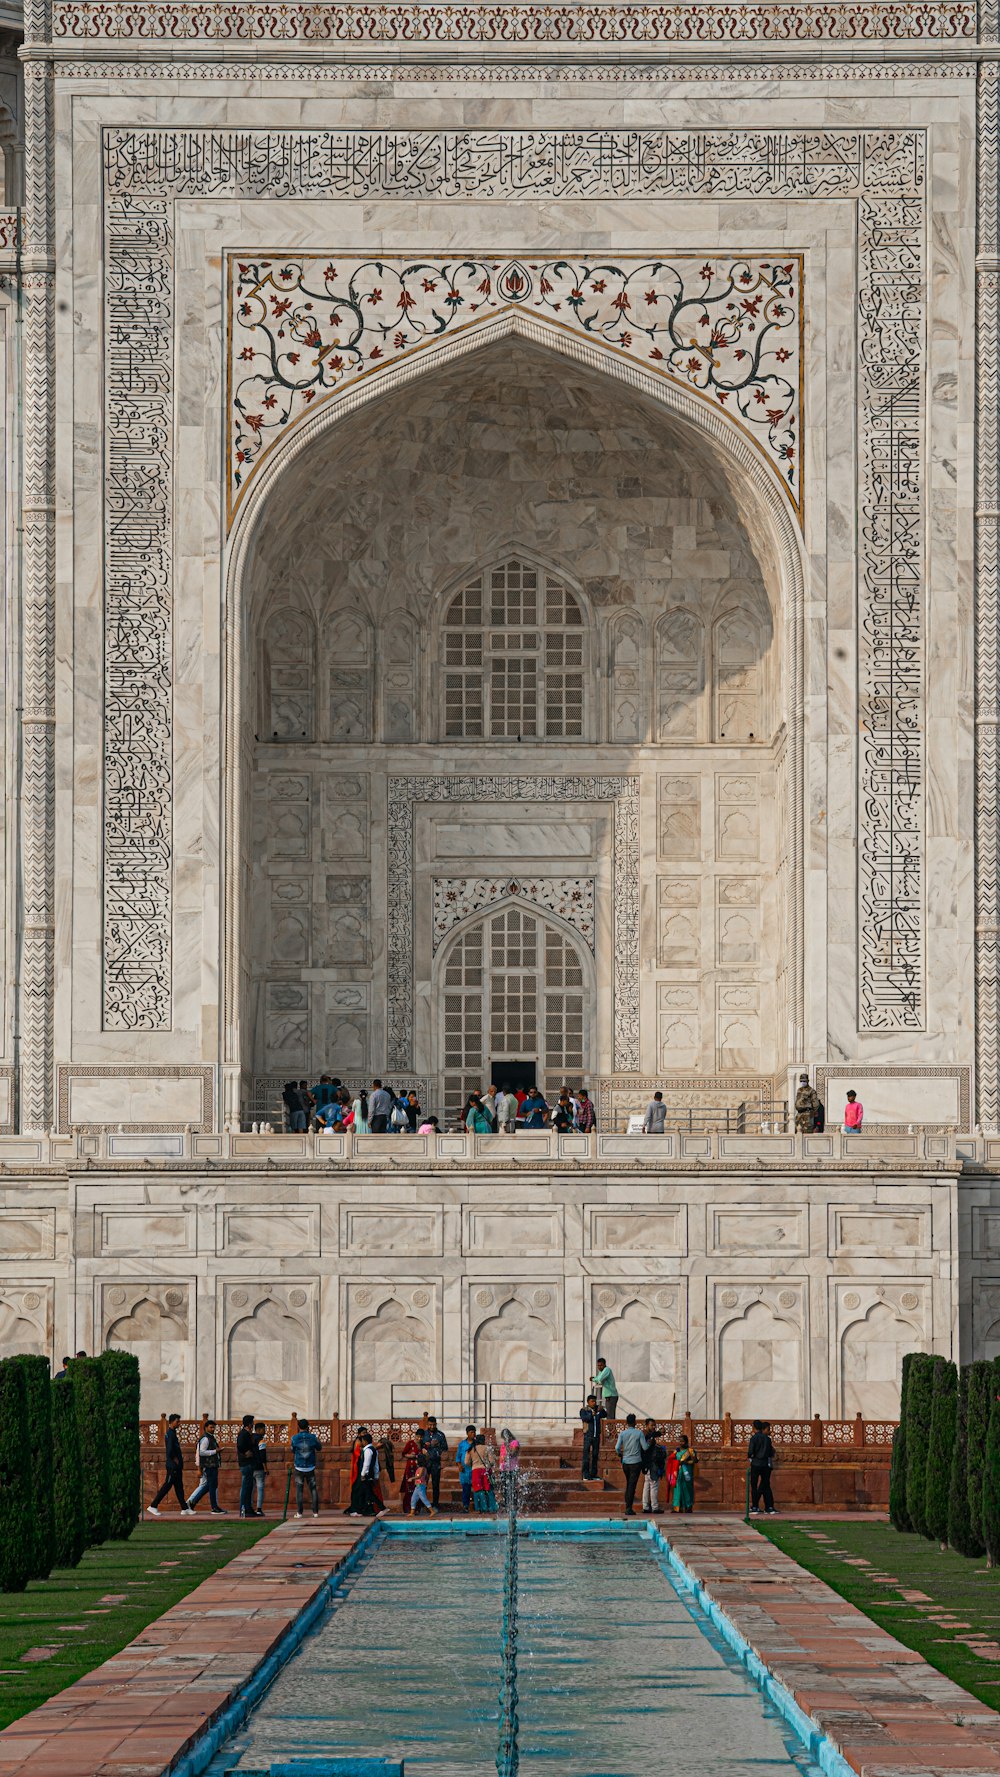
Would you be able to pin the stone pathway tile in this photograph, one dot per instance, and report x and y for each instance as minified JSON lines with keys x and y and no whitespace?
{"x":133,"y":1716}
{"x":884,"y":1708}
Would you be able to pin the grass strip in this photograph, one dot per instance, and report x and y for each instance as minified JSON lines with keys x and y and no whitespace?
{"x":941,"y":1605}
{"x":63,"y":1627}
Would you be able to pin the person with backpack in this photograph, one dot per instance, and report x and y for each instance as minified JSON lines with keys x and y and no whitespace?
{"x":305,"y":1449}
{"x":209,"y":1459}
{"x":259,"y":1466}
{"x":174,"y":1458}
{"x":654,"y":1467}
{"x":760,"y":1459}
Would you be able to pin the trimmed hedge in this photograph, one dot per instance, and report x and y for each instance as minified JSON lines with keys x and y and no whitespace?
{"x":16,"y":1543}
{"x":899,"y":1517}
{"x":67,"y":1485}
{"x":991,"y":1474}
{"x":41,"y":1525}
{"x":87,"y":1378}
{"x":121,"y":1419}
{"x":961,"y":1536}
{"x":978,"y":1424}
{"x":919,"y":1405}
{"x":940,"y":1450}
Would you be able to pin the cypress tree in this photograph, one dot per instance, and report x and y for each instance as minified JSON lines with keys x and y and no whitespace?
{"x":67,"y":1488}
{"x":977,"y":1428}
{"x":88,"y":1397}
{"x":898,"y":1515}
{"x":961,"y":1536}
{"x":919,"y":1400}
{"x":15,"y":1479}
{"x":991,"y":1474}
{"x":121,"y":1418}
{"x":38,"y":1392}
{"x":940,"y":1450}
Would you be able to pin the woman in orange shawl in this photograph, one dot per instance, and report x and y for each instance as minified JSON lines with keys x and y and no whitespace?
{"x":356,"y":1453}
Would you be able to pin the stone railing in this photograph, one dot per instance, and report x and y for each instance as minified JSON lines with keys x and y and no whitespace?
{"x":535,"y":1147}
{"x":707,"y":1435}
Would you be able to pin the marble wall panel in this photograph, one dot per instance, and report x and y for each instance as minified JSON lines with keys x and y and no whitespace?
{"x":389,"y":1232}
{"x":759,"y":1343}
{"x":488,"y":1232}
{"x":133,"y":1232}
{"x":27,"y":1234}
{"x":283,"y":1230}
{"x":391,"y":1344}
{"x":870,"y":1233}
{"x":771,"y":1232}
{"x":635,"y":1230}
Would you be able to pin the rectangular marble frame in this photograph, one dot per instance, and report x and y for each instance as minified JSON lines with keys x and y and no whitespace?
{"x":391,"y":1220}
{"x":865,"y":1246}
{"x":667,"y":1224}
{"x":768,"y":1217}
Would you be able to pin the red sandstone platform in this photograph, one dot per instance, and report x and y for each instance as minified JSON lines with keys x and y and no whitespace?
{"x":888,"y":1712}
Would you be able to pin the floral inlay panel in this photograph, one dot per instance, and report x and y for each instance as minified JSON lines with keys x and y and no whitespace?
{"x":572,"y":897}
{"x":305,"y":327}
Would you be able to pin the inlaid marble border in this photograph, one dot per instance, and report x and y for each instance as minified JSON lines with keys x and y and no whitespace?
{"x":513,"y":23}
{"x":622,"y":791}
{"x":882,"y":170}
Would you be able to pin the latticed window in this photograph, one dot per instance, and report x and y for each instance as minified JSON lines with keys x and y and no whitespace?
{"x":513,"y":989}
{"x":513,"y":657}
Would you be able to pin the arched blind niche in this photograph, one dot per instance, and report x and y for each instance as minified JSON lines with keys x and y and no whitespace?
{"x":514,"y":657}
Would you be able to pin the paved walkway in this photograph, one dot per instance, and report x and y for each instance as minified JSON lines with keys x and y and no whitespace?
{"x":889,"y":1713}
{"x":136,"y":1714}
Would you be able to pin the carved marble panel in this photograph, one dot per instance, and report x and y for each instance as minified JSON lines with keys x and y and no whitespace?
{"x":679,"y":817}
{"x":345,"y":832}
{"x":26,"y":1318}
{"x":517,"y":1334}
{"x":153,"y":1321}
{"x":760,"y":1342}
{"x":392,"y":1334}
{"x":269,"y":1345}
{"x":289,"y":815}
{"x":873,"y":1326}
{"x":640,"y":1328}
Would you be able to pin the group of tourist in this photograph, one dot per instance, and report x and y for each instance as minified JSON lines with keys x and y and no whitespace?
{"x":499,"y":1110}
{"x":484,"y":1473}
{"x":496,"y":1110}
{"x":251,"y":1455}
{"x":330,"y":1106}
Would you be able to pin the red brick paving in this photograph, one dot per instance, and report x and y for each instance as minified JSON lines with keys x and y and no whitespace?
{"x":138,"y":1712}
{"x":888,"y":1712}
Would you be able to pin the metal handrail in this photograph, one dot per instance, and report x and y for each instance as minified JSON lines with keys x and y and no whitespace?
{"x":443,"y":1399}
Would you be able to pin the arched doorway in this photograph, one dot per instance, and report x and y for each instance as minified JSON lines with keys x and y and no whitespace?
{"x":515,"y":574}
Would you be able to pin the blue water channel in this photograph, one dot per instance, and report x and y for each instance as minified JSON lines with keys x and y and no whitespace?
{"x":619,"y":1673}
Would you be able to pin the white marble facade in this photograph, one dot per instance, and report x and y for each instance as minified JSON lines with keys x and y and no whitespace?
{"x":492,"y":574}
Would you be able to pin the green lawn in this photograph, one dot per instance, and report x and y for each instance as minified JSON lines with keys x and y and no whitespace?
{"x":82,"y":1615}
{"x":960,"y":1600}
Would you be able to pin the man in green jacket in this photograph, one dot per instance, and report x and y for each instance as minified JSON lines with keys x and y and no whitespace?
{"x":604,"y":1383}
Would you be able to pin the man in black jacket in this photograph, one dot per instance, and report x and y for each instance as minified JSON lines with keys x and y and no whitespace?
{"x":591,"y":1415}
{"x":174,"y":1457}
{"x":760,"y":1456}
{"x":433,"y":1445}
{"x":246,"y":1456}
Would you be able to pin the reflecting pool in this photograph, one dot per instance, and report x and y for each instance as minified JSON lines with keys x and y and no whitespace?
{"x":619,"y":1676}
